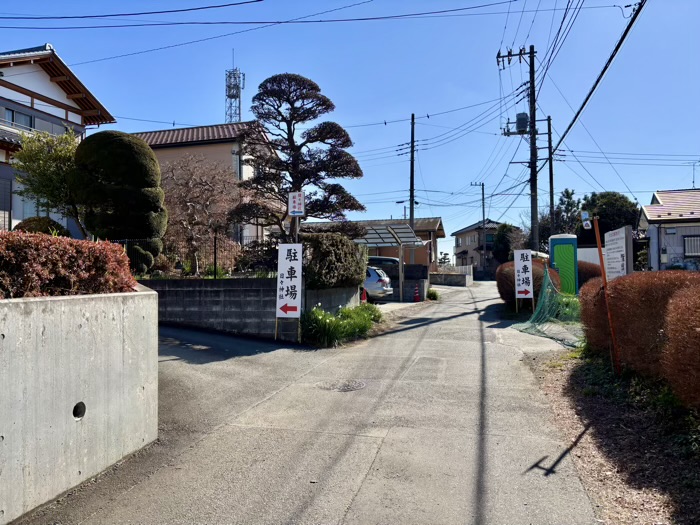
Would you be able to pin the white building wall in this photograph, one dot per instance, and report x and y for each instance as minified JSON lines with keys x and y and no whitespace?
{"x":32,"y":77}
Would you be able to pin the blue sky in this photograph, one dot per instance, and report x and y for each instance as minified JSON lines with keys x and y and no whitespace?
{"x":646,"y":107}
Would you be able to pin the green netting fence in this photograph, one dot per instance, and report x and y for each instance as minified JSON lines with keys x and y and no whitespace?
{"x":557,"y":316}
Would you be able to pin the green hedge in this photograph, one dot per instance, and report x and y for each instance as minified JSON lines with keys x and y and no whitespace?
{"x":333,"y":261}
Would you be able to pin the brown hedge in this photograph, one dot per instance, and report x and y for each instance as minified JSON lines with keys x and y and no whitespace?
{"x":638,"y":303}
{"x":594,"y":316}
{"x":505,"y":280}
{"x":587,"y":271}
{"x":34,"y":265}
{"x":680,"y":360}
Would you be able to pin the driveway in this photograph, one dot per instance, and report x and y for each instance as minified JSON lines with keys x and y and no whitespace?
{"x":437,"y":421}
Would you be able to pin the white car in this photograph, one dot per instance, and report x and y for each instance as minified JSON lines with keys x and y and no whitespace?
{"x":377,"y":284}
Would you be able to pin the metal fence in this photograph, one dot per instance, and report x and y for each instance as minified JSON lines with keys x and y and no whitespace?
{"x":210,"y":256}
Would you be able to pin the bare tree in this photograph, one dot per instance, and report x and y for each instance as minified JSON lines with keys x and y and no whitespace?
{"x":199,"y":196}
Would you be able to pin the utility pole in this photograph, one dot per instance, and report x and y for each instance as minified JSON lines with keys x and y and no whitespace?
{"x":412,"y":196}
{"x":551,"y":176}
{"x":534,"y":226}
{"x":527,"y":124}
{"x":483,"y":224}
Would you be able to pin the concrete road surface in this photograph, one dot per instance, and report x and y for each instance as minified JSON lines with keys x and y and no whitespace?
{"x":437,"y":421}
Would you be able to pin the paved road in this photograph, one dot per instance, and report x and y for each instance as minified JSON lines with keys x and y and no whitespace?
{"x":444,"y":428}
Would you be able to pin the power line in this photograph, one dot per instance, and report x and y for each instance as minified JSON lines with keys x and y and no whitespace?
{"x":169,"y":11}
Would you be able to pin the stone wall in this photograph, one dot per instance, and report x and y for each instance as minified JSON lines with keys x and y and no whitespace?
{"x":78,"y":390}
{"x":239,"y":306}
{"x":450,"y":279}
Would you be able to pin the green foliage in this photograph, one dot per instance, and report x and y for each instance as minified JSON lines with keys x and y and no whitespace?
{"x":374,"y":312}
{"x":292,"y":161}
{"x":325,"y":330}
{"x":333,"y":261}
{"x":45,"y":166}
{"x":44,"y":225}
{"x":118,"y":180}
{"x":260,"y":256}
{"x":501,"y":242}
{"x":433,"y":294}
{"x":614,"y":210}
{"x":34,"y":265}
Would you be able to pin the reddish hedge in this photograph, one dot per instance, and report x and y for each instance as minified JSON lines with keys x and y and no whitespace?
{"x":505,"y":280}
{"x":594,"y":316}
{"x":639,"y":302}
{"x":34,"y":265}
{"x":680,"y":360}
{"x":587,"y":271}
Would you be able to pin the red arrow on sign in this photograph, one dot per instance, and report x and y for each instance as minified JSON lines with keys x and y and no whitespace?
{"x":523,"y":292}
{"x":286,"y":308}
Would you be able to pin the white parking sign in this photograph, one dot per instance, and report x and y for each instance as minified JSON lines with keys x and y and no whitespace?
{"x":289,"y":280}
{"x":523,"y":274}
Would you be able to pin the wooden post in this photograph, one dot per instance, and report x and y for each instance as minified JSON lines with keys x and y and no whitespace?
{"x":614,"y":350}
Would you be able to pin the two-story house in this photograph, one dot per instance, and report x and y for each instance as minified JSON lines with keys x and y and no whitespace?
{"x":38,"y":92}
{"x":218,"y":143}
{"x":474,"y":245}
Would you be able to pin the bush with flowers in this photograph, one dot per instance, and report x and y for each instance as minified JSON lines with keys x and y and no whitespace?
{"x":325,"y":329}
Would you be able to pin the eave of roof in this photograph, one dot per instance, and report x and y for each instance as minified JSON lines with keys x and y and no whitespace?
{"x":92,"y":111}
{"x":421,"y":224}
{"x":490,"y":225}
{"x":673,"y":206}
{"x":192,"y":136}
{"x":10,"y":139}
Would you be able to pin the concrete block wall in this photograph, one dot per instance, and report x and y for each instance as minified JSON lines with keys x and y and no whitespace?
{"x":331,"y":299}
{"x":78,"y":391}
{"x":451,"y":279}
{"x":409,"y":290}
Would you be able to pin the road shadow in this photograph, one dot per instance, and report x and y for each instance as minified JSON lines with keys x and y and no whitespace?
{"x":648,"y":454}
{"x":497,"y":315}
{"x":198,"y":346}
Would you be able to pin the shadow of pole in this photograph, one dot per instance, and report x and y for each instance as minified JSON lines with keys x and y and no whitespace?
{"x":481,"y":466}
{"x":548,"y":471}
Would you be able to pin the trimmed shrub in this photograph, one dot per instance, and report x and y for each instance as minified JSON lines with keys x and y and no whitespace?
{"x":44,"y":225}
{"x":587,"y":271}
{"x":638,"y":303}
{"x":505,"y":280}
{"x":594,"y":316}
{"x":118,"y":180}
{"x":680,"y":360}
{"x":333,"y":261}
{"x":35,"y":265}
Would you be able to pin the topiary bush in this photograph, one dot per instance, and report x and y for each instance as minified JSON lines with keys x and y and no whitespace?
{"x":118,"y":180}
{"x":505,"y":280}
{"x":34,"y":265}
{"x":44,"y":225}
{"x":638,"y":303}
{"x":587,"y":271}
{"x":680,"y":360}
{"x":333,"y":261}
{"x":594,"y":316}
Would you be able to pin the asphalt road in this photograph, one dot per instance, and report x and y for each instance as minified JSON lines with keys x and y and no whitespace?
{"x":437,"y":421}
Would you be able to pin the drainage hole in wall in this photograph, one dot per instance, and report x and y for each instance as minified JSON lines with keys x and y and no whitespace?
{"x":2,"y":438}
{"x":2,"y":513}
{"x":80,"y":473}
{"x":79,"y":411}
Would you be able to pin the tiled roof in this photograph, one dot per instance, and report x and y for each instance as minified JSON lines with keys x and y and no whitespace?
{"x":490,"y":225}
{"x":674,"y":206}
{"x":9,"y":137}
{"x":200,"y":134}
{"x":423,"y":224}
{"x":30,"y":52}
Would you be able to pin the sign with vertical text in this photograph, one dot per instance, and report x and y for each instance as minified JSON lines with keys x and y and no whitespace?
{"x":523,"y":274}
{"x":295,"y":206}
{"x":618,"y":253}
{"x":289,"y":279}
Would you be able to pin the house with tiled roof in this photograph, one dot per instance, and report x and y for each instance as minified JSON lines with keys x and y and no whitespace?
{"x":38,"y":92}
{"x":474,"y":245}
{"x":672,"y":221}
{"x":218,"y":143}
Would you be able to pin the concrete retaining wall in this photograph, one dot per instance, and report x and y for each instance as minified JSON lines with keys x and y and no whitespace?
{"x":78,"y":390}
{"x":450,"y":279}
{"x":239,"y":306}
{"x":409,"y":289}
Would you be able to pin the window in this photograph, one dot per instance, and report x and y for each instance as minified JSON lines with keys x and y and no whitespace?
{"x":5,"y":204}
{"x":691,"y":245}
{"x":489,"y":237}
{"x":21,"y":119}
{"x":458,"y":241}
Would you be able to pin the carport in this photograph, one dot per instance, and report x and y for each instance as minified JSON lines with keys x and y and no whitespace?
{"x":391,"y":236}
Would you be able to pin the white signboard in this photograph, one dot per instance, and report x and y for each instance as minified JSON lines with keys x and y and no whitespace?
{"x":296,"y":204}
{"x":618,"y":253}
{"x":523,"y":274}
{"x":289,"y":281}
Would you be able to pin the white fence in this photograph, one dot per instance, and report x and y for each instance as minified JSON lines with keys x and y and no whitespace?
{"x":463,"y":270}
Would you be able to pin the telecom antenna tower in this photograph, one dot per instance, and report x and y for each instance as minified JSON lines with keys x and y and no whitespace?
{"x":235,"y":84}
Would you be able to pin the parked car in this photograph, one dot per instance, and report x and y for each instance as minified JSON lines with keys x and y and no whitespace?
{"x":377,"y":284}
{"x":382,"y":262}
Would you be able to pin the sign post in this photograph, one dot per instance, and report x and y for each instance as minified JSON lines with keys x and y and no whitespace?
{"x":296,"y":209}
{"x":289,"y":282}
{"x":523,"y":277}
{"x":618,"y":253}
